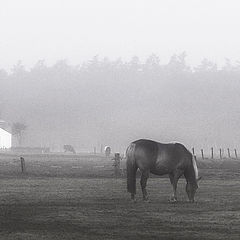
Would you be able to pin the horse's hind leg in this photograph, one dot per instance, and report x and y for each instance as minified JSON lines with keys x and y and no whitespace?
{"x":174,"y":177}
{"x":143,"y":182}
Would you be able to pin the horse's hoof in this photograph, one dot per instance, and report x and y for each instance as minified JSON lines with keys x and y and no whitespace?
{"x":146,"y":200}
{"x":173,"y":200}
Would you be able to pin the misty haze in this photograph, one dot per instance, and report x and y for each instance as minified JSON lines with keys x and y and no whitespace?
{"x":114,"y":102}
{"x":119,"y":120}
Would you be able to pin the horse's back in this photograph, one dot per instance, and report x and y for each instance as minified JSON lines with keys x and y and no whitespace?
{"x":160,"y":158}
{"x":146,"y":152}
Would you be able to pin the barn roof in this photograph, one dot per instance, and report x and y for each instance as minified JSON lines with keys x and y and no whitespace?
{"x":4,"y":131}
{"x":5,"y":126}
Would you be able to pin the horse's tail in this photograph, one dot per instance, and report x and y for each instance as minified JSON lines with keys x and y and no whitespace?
{"x":131,"y":169}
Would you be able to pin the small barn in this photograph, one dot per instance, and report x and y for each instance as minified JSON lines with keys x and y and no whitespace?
{"x":5,"y":139}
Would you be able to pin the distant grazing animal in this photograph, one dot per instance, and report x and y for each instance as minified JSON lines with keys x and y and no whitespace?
{"x":69,"y":148}
{"x":158,"y":158}
{"x":107,"y":151}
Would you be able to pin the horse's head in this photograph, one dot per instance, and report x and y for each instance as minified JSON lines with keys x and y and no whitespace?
{"x":191,"y":189}
{"x":192,"y":180}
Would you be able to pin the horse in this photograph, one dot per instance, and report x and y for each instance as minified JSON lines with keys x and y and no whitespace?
{"x":161,"y":158}
{"x":107,"y":151}
{"x":69,"y":148}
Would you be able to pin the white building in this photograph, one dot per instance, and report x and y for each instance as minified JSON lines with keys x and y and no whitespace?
{"x":5,"y":139}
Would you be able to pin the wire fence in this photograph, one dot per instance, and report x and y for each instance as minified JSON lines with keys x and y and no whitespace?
{"x":213,"y":153}
{"x":97,"y":165}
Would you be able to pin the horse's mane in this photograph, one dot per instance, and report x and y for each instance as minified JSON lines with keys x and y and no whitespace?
{"x":195,"y":166}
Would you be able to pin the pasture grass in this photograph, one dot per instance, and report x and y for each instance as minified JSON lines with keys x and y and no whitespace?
{"x":73,"y":208}
{"x":77,"y":197}
{"x":96,"y":166}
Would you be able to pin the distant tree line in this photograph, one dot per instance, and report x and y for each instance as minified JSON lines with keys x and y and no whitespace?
{"x":101,"y":98}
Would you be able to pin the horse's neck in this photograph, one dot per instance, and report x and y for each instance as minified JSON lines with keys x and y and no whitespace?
{"x":191,"y":176}
{"x":193,"y":181}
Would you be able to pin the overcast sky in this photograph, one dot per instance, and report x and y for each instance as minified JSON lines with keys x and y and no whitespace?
{"x":77,"y":30}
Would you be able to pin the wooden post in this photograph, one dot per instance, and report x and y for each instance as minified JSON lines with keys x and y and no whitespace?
{"x":116,"y":164}
{"x":202,"y":153}
{"x":23,"y":167}
{"x":229,"y":155}
{"x":193,"y":152}
{"x":220,"y":153}
{"x":235,"y":151}
{"x":212,"y":152}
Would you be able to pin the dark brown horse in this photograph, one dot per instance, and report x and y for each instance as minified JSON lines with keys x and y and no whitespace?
{"x":158,"y":158}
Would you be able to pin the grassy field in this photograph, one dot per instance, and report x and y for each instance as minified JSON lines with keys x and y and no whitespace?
{"x":66,"y":197}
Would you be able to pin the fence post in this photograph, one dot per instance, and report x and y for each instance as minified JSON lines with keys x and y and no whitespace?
{"x":229,"y":155}
{"x":23,"y":167}
{"x":202,"y":153}
{"x":212,"y":152}
{"x":235,"y":151}
{"x":94,"y":150}
{"x":116,"y":164}
{"x":193,"y":151}
{"x":220,"y":153}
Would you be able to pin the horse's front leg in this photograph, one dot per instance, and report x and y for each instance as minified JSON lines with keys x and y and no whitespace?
{"x":174,"y":177}
{"x":143,"y":182}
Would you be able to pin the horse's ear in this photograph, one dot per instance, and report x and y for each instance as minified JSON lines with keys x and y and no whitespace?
{"x":199,"y":179}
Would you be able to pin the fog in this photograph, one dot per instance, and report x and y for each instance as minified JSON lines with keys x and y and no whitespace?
{"x":77,"y":30}
{"x":106,"y":73}
{"x":114,"y":102}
